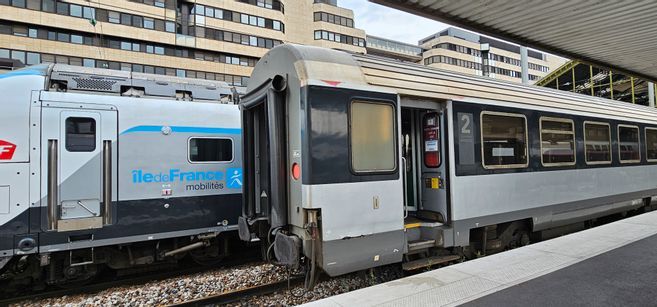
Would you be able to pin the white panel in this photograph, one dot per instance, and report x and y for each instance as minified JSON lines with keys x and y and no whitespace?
{"x":4,"y":199}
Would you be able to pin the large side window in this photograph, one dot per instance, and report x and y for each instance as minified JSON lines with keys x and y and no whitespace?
{"x":504,"y":140}
{"x":557,"y":141}
{"x":597,"y":141}
{"x":651,"y":144}
{"x":210,"y":150}
{"x":372,"y":137}
{"x":628,"y":144}
{"x":80,"y":134}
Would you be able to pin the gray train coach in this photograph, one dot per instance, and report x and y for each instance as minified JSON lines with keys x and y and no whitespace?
{"x":354,"y":161}
{"x":113,"y":169}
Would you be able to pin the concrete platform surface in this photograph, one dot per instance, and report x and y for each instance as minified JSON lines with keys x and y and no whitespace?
{"x":534,"y":275}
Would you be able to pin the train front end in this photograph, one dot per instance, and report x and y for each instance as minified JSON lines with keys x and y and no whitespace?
{"x":322,"y":182}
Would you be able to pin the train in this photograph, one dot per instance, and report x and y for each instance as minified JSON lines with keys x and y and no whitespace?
{"x":114,"y":169}
{"x":333,"y":162}
{"x":352,"y":161}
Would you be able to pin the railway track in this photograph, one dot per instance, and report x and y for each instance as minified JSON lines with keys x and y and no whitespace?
{"x":241,"y":294}
{"x":129,"y":280}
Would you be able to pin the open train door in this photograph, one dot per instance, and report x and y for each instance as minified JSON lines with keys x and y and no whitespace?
{"x":264,"y":165}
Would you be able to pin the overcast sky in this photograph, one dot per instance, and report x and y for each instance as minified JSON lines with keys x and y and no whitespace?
{"x":389,"y":23}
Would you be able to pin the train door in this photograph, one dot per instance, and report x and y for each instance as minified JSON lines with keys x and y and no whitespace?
{"x":78,"y":165}
{"x":423,"y":154}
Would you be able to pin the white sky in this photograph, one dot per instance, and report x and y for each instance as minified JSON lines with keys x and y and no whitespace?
{"x":389,"y":23}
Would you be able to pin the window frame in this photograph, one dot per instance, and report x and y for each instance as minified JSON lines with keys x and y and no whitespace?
{"x":395,"y":136}
{"x":611,"y":154}
{"x":481,"y":139}
{"x":189,"y":148}
{"x":645,"y":135}
{"x":67,"y":146}
{"x":618,"y":143}
{"x":540,"y":134}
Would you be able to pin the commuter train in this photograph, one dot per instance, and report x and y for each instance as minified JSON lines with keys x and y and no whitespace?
{"x":353,"y":161}
{"x":102,"y":168}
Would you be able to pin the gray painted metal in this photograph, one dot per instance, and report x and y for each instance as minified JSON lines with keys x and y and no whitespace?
{"x":651,"y":94}
{"x":524,"y":65}
{"x":619,"y":34}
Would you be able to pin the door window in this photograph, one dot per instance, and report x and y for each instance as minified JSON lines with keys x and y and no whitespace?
{"x":372,"y":137}
{"x":80,"y":134}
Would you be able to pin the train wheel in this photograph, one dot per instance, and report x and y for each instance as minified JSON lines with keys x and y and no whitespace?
{"x":78,"y":276}
{"x":210,"y":256}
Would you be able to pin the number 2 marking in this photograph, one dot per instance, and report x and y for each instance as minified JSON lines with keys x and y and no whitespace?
{"x":465,"y":129}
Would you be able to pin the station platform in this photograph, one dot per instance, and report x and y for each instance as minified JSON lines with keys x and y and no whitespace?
{"x":609,"y":265}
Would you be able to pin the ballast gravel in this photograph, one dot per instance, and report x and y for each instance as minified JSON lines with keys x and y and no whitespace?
{"x":212,"y":282}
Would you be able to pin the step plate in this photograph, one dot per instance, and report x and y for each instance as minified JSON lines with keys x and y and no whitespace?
{"x":426,"y":262}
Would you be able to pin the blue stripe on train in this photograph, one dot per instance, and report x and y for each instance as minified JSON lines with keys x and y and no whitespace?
{"x":183,"y":129}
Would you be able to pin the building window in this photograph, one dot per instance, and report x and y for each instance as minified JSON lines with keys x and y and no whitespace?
{"x":504,"y":140}
{"x":48,"y":6}
{"x":170,"y":26}
{"x":75,"y":10}
{"x":148,"y":23}
{"x":76,"y":39}
{"x":628,"y":144}
{"x":114,"y":17}
{"x":372,"y":136}
{"x":33,"y":58}
{"x":210,"y":150}
{"x":80,"y":134}
{"x":557,"y":141}
{"x":597,"y":143}
{"x":89,"y":63}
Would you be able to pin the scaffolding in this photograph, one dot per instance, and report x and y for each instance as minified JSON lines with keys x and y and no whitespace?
{"x":583,"y":78}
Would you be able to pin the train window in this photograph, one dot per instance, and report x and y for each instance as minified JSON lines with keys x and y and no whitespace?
{"x":597,"y":143}
{"x":504,"y":140}
{"x":557,"y":141}
{"x":210,"y":150}
{"x":80,"y":134}
{"x":628,"y":144}
{"x":651,"y":144}
{"x":372,"y":129}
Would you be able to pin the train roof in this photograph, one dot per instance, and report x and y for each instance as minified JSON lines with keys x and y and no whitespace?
{"x":98,"y":80}
{"x":321,"y":66}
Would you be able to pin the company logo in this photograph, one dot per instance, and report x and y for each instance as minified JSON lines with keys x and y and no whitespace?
{"x":234,"y":178}
{"x":6,"y":150}
{"x":175,"y":175}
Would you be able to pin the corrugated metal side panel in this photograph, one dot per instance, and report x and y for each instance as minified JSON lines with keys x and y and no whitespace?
{"x":416,"y":80}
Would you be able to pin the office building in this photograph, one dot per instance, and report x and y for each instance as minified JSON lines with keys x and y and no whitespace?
{"x":458,"y":50}
{"x":208,"y":39}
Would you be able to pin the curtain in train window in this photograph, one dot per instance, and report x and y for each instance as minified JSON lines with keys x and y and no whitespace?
{"x":504,"y":140}
{"x":372,"y":137}
{"x":628,"y":144}
{"x":557,"y":142}
{"x":597,"y":141}
{"x":651,"y":144}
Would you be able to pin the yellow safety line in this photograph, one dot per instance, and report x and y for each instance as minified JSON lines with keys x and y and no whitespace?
{"x":412,"y":225}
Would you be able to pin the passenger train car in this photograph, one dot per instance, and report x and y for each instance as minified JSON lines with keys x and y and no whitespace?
{"x":354,"y":161}
{"x":116,"y":169}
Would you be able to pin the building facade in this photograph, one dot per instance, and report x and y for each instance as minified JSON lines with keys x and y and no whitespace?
{"x":208,"y":39}
{"x":458,"y":50}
